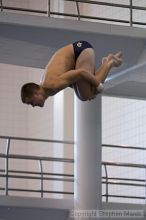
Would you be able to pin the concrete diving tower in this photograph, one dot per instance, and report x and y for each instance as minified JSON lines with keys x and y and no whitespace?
{"x":31,"y":40}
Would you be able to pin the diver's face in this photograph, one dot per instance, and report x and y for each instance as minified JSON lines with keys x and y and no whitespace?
{"x":37,"y":99}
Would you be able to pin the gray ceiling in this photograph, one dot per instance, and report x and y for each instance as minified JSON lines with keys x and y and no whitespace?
{"x":31,"y":40}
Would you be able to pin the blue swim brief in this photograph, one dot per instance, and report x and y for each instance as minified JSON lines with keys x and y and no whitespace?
{"x":79,"y":46}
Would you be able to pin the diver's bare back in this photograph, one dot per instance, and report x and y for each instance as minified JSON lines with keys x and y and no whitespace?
{"x":61,"y":62}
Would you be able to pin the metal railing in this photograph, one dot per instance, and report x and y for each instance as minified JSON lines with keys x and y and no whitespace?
{"x":78,"y":4}
{"x":122,"y":181}
{"x":41,"y":176}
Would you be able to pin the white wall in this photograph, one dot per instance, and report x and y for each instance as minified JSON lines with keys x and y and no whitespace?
{"x":16,"y":118}
{"x":20,"y":120}
{"x":13,"y":117}
{"x":12,"y":114}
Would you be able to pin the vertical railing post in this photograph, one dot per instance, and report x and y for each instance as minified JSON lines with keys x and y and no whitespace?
{"x":41,"y":170}
{"x":106,"y":175}
{"x":131,"y":14}
{"x":78,"y":10}
{"x":145,"y":184}
{"x":48,"y":8}
{"x":1,"y":4}
{"x":7,"y":165}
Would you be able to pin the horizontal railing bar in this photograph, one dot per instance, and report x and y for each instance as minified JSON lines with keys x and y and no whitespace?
{"x":25,"y":157}
{"x":36,"y":178}
{"x":109,"y":4}
{"x":138,"y":23}
{"x":24,"y":9}
{"x":37,"y":140}
{"x":2,"y":188}
{"x":97,"y":18}
{"x":123,"y":147}
{"x":135,"y":7}
{"x":38,"y":191}
{"x":124,"y":196}
{"x":46,"y":178}
{"x":125,"y":179}
{"x":85,"y":17}
{"x":38,"y":173}
{"x":125,"y":184}
{"x":124,"y":164}
{"x":27,"y":177}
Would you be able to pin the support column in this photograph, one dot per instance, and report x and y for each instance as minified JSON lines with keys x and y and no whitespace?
{"x":87,"y":155}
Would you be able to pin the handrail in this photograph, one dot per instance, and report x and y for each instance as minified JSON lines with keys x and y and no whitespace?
{"x":125,"y":179}
{"x":36,"y":178}
{"x":124,"y":184}
{"x":123,"y":146}
{"x":133,"y":165}
{"x":36,"y":139}
{"x":124,"y":196}
{"x":37,"y":173}
{"x":7,"y":173}
{"x":109,"y":4}
{"x":107,"y":195}
{"x":48,"y":12}
{"x":76,"y":1}
{"x":105,"y":163}
{"x":40,"y":175}
{"x":38,"y":191}
{"x":27,"y":157}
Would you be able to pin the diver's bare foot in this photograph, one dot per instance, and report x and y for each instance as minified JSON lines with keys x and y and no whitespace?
{"x":115,"y":60}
